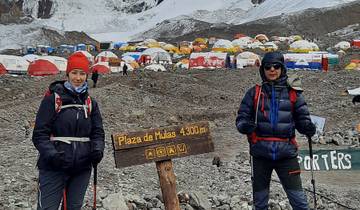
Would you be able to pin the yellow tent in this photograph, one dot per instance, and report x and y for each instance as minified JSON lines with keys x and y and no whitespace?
{"x":134,"y":64}
{"x":353,"y":65}
{"x":296,"y":38}
{"x":199,"y":41}
{"x":185,"y":50}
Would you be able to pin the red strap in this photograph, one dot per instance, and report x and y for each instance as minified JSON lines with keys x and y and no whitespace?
{"x":256,"y":96}
{"x":47,"y":93}
{"x":58,"y":103}
{"x":271,"y":139}
{"x":253,"y":137}
{"x":292,"y":97}
{"x":89,"y":104}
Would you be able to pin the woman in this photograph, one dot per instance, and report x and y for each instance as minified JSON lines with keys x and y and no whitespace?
{"x":69,"y":136}
{"x":269,"y":114}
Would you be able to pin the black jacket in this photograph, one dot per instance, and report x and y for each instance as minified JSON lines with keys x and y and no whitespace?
{"x":69,"y":122}
{"x":276,"y":116}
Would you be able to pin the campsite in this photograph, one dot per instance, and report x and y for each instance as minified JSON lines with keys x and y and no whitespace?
{"x":149,"y":99}
{"x":188,"y":65}
{"x":198,"y":81}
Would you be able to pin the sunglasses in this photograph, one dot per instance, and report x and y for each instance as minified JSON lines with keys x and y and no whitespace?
{"x":268,"y":66}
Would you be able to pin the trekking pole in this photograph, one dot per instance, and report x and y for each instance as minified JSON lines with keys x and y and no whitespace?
{"x":252,"y":180}
{"x":64,"y":199}
{"x":311,"y":169}
{"x":95,"y":183}
{"x":251,"y":157}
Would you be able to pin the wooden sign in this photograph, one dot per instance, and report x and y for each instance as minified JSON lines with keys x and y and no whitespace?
{"x":133,"y":148}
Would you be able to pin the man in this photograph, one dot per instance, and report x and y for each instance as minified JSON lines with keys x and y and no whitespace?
{"x":94,"y":78}
{"x":125,"y":68}
{"x":268,"y":115}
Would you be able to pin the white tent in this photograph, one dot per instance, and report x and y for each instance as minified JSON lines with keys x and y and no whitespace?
{"x":242,"y":42}
{"x":60,"y":62}
{"x":155,"y":67}
{"x":105,"y":56}
{"x":158,"y":55}
{"x":256,"y":45}
{"x":14,"y":64}
{"x":343,"y":45}
{"x":31,"y":57}
{"x":128,"y":59}
{"x":223,"y":43}
{"x":270,"y":46}
{"x":303,"y":46}
{"x":247,"y":59}
{"x":88,"y":55}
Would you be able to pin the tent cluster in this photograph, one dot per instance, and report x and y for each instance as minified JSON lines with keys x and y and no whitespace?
{"x":62,"y":49}
{"x":241,"y":52}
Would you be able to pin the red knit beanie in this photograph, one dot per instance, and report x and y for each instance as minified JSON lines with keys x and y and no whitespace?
{"x":78,"y":61}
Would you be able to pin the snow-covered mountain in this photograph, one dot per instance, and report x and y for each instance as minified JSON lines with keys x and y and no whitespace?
{"x":122,"y":20}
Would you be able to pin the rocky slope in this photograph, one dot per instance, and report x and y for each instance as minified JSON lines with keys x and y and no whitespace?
{"x":310,"y":23}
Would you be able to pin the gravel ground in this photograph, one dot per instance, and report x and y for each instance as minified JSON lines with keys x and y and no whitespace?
{"x":154,"y":99}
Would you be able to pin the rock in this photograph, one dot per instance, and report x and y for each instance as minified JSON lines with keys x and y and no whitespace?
{"x":216,"y":161}
{"x":186,"y":206}
{"x":234,"y":201}
{"x":183,"y":197}
{"x":322,"y":140}
{"x":338,"y":140}
{"x":223,"y":207}
{"x":284,"y":204}
{"x":199,"y":201}
{"x":102,"y":194}
{"x":115,"y":202}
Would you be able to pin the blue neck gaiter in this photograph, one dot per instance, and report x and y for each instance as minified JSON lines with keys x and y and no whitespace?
{"x":82,"y":89}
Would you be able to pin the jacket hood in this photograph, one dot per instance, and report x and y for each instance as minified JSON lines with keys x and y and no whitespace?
{"x":273,"y":57}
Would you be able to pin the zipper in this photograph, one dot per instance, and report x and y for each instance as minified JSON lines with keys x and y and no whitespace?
{"x":74,"y":143}
{"x":273,"y":150}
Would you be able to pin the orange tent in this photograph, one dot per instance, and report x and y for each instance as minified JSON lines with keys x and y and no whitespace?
{"x":238,"y":36}
{"x":2,"y":69}
{"x":42,"y":67}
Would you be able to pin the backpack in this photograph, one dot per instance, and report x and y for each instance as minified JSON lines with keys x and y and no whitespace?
{"x":292,"y":97}
{"x":253,"y":137}
{"x":58,"y":101}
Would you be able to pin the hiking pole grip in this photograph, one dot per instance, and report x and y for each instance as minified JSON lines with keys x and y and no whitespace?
{"x":95,"y":183}
{"x":312,"y":171}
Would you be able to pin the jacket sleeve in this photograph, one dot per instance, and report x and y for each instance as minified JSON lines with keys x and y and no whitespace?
{"x":246,"y":111}
{"x":97,"y":135}
{"x":301,"y":114}
{"x":43,"y":126}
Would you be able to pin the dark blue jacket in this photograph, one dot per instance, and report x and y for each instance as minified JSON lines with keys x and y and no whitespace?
{"x":69,"y":122}
{"x":275,"y":117}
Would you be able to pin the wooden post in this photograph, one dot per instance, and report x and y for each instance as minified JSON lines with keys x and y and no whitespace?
{"x":168,"y":184}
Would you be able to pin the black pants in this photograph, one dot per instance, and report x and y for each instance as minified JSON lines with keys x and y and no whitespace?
{"x":288,"y":171}
{"x":52,"y":185}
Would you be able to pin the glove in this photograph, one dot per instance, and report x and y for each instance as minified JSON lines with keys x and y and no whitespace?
{"x":310,"y":129}
{"x":96,"y":156}
{"x":58,"y":159}
{"x":249,"y":127}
